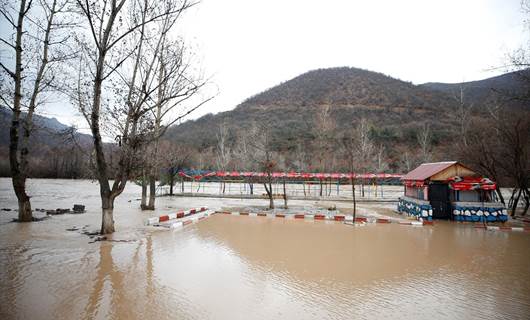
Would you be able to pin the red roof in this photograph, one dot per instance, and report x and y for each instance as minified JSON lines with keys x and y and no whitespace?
{"x":427,"y":170}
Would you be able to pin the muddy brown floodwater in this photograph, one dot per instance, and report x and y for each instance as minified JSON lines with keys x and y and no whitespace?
{"x":239,"y":267}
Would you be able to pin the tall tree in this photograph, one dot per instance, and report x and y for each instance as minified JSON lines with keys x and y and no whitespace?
{"x":424,"y":140}
{"x":262,"y":144}
{"x":462,"y":113}
{"x":224,"y":152}
{"x":324,"y":127}
{"x":113,"y":53}
{"x":349,"y":145}
{"x":177,"y":95}
{"x":36,"y":47}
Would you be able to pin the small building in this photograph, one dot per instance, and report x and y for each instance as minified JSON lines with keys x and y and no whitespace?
{"x":450,"y":190}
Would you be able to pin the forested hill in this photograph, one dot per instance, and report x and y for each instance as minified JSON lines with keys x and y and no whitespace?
{"x":490,"y":91}
{"x":352,"y":93}
{"x":346,"y":87}
{"x":397,"y":112}
{"x":53,"y":147}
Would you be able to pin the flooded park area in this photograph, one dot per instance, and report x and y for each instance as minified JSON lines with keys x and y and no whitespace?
{"x":243,"y":267}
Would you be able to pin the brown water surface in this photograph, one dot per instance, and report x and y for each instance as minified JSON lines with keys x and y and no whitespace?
{"x":238,"y":267}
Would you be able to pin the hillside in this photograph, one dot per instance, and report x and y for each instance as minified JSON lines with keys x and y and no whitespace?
{"x":395,"y":109}
{"x":352,"y":93}
{"x":491,"y":90}
{"x":343,"y":87}
{"x":52,"y":147}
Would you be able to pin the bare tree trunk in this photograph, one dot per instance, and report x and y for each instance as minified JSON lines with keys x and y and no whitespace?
{"x":501,"y":198}
{"x":269,"y":193}
{"x":17,"y":168}
{"x":526,"y":197}
{"x":144,"y":193}
{"x":24,"y":205}
{"x":152,"y":192}
{"x":362,"y":188}
{"x":107,"y":221}
{"x":284,"y":195}
{"x":515,"y":202}
{"x":353,"y":198}
{"x":171,"y":181}
{"x":107,"y":205}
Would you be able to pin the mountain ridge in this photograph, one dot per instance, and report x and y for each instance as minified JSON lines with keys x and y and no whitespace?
{"x":396,"y":110}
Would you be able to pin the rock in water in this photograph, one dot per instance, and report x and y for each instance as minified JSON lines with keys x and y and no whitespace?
{"x":57,"y":211}
{"x":79,"y":208}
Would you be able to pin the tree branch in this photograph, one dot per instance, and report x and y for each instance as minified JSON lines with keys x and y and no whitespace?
{"x":11,"y":73}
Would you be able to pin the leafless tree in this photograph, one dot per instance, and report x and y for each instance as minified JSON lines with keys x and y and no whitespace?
{"x":515,"y":153}
{"x":35,"y":47}
{"x":177,"y":95}
{"x":242,"y":153}
{"x":173,"y":158}
{"x":114,"y":58}
{"x":363,"y":148}
{"x":300,"y":157}
{"x":424,"y":141}
{"x":380,"y":163}
{"x":499,"y":146}
{"x":350,"y":143}
{"x":262,"y":144}
{"x":462,"y":113}
{"x":324,"y":127}
{"x":512,"y":131}
{"x":406,"y":161}
{"x":224,"y":152}
{"x":482,"y":151}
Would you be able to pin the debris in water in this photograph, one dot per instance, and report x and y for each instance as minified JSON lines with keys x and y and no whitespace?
{"x":100,"y":238}
{"x":57,"y":211}
{"x":33,"y":219}
{"x":79,"y":208}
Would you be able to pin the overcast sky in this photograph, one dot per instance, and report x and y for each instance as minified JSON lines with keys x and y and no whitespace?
{"x":247,"y":46}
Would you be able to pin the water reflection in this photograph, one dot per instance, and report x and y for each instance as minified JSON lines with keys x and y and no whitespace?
{"x":106,"y":272}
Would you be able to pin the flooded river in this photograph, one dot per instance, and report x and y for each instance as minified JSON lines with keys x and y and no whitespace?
{"x":239,"y":267}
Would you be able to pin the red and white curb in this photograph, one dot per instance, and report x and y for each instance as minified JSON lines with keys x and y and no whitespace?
{"x":344,"y":218}
{"x":179,"y":223}
{"x":502,"y":228}
{"x":177,"y":215}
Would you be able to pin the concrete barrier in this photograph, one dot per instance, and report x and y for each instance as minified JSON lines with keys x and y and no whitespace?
{"x":330,"y":218}
{"x":172,"y":216}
